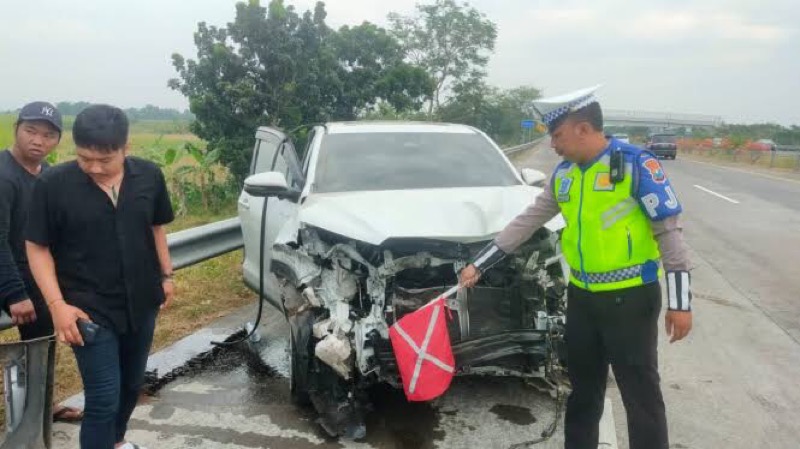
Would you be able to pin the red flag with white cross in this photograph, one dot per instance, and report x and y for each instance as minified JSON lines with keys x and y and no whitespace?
{"x":422,"y":349}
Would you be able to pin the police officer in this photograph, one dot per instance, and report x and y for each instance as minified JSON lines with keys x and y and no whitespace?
{"x":622,"y":217}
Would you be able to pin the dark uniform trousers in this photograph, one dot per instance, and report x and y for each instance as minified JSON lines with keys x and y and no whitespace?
{"x":618,"y":328}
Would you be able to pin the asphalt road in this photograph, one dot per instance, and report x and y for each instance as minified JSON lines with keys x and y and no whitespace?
{"x":732,"y":383}
{"x":233,"y":404}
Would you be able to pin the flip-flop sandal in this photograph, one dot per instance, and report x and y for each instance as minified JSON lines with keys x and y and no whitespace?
{"x":129,"y":445}
{"x":68,"y":414}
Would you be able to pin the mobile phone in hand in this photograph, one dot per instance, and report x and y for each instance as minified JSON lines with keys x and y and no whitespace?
{"x":88,"y":330}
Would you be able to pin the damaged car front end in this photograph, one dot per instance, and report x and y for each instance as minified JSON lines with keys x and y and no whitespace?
{"x":340,"y":297}
{"x":348,"y":264}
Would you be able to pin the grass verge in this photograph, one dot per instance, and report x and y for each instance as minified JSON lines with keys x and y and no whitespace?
{"x":784,"y":165}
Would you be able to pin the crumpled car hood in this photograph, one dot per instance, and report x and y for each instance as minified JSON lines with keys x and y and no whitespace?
{"x":461,"y":215}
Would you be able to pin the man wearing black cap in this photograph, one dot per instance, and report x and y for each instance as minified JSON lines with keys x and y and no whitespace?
{"x":37,"y":132}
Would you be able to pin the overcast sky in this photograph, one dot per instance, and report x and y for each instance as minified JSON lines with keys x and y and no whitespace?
{"x":739,"y":59}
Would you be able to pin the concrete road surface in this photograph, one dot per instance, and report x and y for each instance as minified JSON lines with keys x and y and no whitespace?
{"x":732,"y":384}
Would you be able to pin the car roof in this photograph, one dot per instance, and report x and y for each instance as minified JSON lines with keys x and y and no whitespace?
{"x":397,"y":127}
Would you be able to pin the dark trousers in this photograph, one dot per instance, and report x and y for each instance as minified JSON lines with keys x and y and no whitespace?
{"x":618,"y":328}
{"x":112,"y":368}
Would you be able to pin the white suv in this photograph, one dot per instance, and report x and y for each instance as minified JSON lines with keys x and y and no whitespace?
{"x":378,"y":219}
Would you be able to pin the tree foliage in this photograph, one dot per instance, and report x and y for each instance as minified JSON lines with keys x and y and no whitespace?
{"x":497,"y":112}
{"x":451,"y":41}
{"x":274,"y":66}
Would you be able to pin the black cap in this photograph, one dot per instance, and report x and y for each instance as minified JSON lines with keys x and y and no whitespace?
{"x":41,"y":110}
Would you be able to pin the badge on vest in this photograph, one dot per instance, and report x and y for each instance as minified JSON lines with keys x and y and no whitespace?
{"x":602,"y":182}
{"x":563,"y":190}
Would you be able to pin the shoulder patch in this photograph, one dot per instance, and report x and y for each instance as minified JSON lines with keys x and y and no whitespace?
{"x":656,"y":172}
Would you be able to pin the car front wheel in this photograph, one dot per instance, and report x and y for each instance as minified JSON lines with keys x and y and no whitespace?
{"x":298,"y":374}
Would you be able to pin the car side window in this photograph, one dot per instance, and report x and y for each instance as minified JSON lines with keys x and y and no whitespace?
{"x":290,"y":165}
{"x":307,"y":152}
{"x":265,"y":154}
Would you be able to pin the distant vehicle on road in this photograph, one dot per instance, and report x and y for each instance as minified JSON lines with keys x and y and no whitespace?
{"x":663,"y":145}
{"x":622,"y":138}
{"x":762,"y":145}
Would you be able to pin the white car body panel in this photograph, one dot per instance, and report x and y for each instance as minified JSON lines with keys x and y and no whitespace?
{"x":462,"y":215}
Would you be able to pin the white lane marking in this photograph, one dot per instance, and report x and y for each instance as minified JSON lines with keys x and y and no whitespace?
{"x":608,"y":430}
{"x":716,"y":194}
{"x":763,"y":175}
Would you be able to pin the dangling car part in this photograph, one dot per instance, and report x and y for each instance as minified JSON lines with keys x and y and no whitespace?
{"x":376,"y":221}
{"x":28,"y":392}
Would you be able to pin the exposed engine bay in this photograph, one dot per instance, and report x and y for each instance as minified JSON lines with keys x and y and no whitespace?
{"x":340,"y":296}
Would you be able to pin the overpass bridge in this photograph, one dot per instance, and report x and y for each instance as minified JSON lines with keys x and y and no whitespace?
{"x":620,"y":117}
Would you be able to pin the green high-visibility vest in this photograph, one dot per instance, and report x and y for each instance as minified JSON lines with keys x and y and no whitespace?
{"x":608,"y":242}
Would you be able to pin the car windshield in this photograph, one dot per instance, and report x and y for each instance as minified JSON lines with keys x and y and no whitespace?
{"x":404,"y":160}
{"x":664,"y":139}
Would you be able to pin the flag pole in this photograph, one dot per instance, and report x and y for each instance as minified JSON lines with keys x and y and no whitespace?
{"x":444,"y":295}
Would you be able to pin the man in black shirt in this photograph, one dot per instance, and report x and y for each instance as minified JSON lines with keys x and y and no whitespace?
{"x":37,"y":132}
{"x":98,"y":251}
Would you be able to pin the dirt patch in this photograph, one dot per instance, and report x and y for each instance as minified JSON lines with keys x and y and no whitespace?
{"x":520,"y":416}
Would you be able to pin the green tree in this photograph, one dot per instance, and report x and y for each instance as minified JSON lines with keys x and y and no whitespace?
{"x":272,"y":66}
{"x":451,"y":41}
{"x":372,"y":69}
{"x":494,"y":111}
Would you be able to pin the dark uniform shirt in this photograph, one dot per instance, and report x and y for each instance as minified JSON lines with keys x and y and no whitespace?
{"x":105,"y":257}
{"x":16,"y":185}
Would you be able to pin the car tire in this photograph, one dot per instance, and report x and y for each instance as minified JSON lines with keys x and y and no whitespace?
{"x":298,"y":383}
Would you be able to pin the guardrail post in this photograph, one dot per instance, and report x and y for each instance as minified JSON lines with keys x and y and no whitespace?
{"x":28,"y":368}
{"x":797,"y":163}
{"x":772,"y":159}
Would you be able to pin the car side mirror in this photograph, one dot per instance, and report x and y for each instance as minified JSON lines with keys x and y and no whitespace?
{"x":270,"y":184}
{"x":533,"y":177}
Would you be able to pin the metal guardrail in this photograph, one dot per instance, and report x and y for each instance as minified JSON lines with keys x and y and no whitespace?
{"x":28,"y":366}
{"x":787,"y":147}
{"x":191,"y":246}
{"x":523,"y":147}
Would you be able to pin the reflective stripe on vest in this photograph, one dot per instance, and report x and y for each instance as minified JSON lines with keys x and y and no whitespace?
{"x":610,"y":276}
{"x":608,"y":242}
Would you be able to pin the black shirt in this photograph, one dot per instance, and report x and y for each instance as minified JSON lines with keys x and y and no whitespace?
{"x":16,"y":185}
{"x":105,"y":257}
